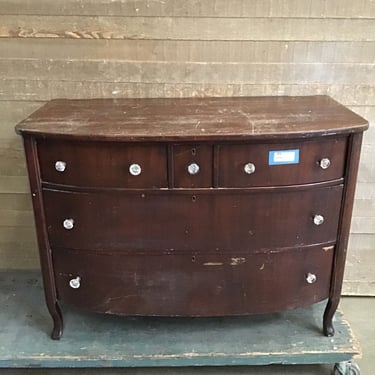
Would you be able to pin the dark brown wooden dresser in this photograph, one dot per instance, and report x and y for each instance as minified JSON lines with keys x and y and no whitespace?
{"x":192,"y":206}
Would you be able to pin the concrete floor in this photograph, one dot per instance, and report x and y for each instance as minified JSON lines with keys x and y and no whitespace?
{"x":358,"y":311}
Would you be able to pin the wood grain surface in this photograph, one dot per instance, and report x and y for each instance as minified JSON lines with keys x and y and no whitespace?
{"x":195,"y":8}
{"x":186,"y":28}
{"x":193,"y":119}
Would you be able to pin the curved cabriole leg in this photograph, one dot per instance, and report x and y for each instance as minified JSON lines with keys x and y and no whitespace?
{"x":329,"y":312}
{"x":42,"y":236}
{"x":58,"y":324}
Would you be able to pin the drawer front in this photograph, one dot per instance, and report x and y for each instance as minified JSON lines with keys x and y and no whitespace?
{"x":202,"y":222}
{"x":281,"y":164}
{"x":103,"y":164}
{"x":185,"y":285}
{"x":192,"y":166}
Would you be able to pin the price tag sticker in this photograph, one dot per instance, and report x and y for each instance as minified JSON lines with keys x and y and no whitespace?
{"x":282,"y":157}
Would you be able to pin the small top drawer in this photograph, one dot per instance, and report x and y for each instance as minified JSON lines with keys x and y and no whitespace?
{"x":103,"y":164}
{"x":243,"y":165}
{"x":192,"y":166}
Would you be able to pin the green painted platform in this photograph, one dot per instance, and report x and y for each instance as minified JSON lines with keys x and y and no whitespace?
{"x":94,"y":340}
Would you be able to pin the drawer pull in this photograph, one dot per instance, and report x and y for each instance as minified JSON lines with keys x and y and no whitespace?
{"x":249,"y":168}
{"x":60,"y":166}
{"x":193,"y":168}
{"x":318,"y":219}
{"x":135,"y":169}
{"x":75,"y":283}
{"x":68,"y":224}
{"x":325,"y":163}
{"x":311,"y":278}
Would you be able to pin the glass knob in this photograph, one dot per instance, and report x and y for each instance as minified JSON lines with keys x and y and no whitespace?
{"x":318,"y":219}
{"x":325,"y":163}
{"x":193,"y":168}
{"x":68,"y":224}
{"x":311,"y":278}
{"x":135,"y":169}
{"x":249,"y":168}
{"x":60,"y":166}
{"x":75,"y":283}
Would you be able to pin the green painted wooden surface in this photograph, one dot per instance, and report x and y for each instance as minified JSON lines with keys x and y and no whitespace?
{"x":94,"y":340}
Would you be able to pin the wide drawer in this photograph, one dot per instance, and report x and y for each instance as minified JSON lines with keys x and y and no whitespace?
{"x":185,"y":285}
{"x":103,"y":164}
{"x":172,"y":221}
{"x":242,"y":165}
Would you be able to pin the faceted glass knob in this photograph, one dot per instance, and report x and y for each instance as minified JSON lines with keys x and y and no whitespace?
{"x":135,"y":169}
{"x":325,"y":163}
{"x":249,"y":168}
{"x":318,"y":219}
{"x":75,"y":283}
{"x":311,"y":278}
{"x":60,"y":166}
{"x":193,"y":168}
{"x":68,"y":224}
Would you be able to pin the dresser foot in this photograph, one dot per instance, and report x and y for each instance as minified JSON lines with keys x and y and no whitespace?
{"x":329,"y":330}
{"x":329,"y":312}
{"x":58,"y":325}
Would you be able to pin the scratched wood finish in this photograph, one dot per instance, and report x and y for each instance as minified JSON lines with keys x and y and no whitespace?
{"x":202,"y":285}
{"x":192,"y":118}
{"x":303,"y":62}
{"x":126,"y":225}
{"x":100,"y":341}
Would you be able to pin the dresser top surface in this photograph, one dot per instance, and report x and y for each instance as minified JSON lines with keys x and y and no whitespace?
{"x":229,"y":118}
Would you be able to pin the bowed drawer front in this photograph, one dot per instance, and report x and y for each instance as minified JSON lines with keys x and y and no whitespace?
{"x":177,"y":222}
{"x":281,"y":163}
{"x":186,"y":207}
{"x":194,"y":285}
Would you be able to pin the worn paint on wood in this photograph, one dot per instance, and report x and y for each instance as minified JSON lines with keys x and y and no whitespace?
{"x":359,"y":272}
{"x":195,"y":8}
{"x":186,"y":28}
{"x":181,"y":72}
{"x":25,"y":90}
{"x":111,"y":341}
{"x":189,"y":51}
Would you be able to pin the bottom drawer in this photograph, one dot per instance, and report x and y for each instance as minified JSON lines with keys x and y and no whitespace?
{"x":200,"y":285}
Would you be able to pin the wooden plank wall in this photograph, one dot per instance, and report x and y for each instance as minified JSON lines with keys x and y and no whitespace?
{"x":165,"y":48}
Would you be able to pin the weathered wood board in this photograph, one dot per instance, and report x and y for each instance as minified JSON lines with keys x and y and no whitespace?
{"x":94,"y":340}
{"x":240,"y":51}
{"x":188,"y":73}
{"x":43,"y":90}
{"x":194,"y":8}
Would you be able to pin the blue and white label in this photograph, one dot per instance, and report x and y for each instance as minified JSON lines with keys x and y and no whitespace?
{"x":281,"y":157}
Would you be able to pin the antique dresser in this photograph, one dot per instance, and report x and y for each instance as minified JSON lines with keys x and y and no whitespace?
{"x":192,"y":206}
